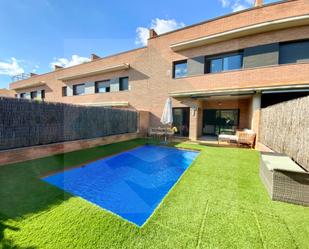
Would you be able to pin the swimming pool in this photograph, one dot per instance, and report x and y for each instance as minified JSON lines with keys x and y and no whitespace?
{"x":130,"y":184}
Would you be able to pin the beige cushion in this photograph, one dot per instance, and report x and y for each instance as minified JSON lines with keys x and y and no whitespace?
{"x":280,"y":162}
{"x":224,"y":137}
{"x":249,"y":131}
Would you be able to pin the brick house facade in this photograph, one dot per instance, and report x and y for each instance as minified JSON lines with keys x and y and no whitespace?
{"x":219,"y":73}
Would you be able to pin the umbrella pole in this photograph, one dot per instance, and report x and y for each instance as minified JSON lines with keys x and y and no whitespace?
{"x":165,"y":135}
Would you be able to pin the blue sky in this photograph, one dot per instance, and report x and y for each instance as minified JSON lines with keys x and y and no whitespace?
{"x":36,"y":34}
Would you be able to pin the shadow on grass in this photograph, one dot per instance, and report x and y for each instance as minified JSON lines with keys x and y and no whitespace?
{"x":8,"y":243}
{"x":23,"y":193}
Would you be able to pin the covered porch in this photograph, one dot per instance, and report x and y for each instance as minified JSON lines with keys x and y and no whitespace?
{"x":203,"y":118}
{"x":204,"y":115}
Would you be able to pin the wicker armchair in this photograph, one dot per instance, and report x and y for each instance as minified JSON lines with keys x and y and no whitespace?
{"x":245,"y":137}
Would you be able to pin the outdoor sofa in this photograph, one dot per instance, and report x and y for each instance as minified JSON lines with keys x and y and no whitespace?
{"x":284,"y":179}
{"x":243,"y":137}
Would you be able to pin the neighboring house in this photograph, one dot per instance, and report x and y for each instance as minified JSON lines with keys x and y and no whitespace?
{"x":6,"y":93}
{"x":219,"y":72}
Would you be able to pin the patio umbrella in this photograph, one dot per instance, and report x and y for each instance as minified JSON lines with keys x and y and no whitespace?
{"x":167,"y":115}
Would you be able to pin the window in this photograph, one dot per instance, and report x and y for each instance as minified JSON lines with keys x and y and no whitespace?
{"x":220,"y":121}
{"x":180,"y":69}
{"x":22,"y":95}
{"x":79,"y":89}
{"x":233,"y":62}
{"x":102,"y":86}
{"x":42,"y":94}
{"x":224,"y":63}
{"x":123,"y":84}
{"x":216,"y":65}
{"x":64,"y":91}
{"x":181,"y":117}
{"x":33,"y":95}
{"x":294,"y":52}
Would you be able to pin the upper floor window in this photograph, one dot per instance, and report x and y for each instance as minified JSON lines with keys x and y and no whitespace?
{"x":225,"y":62}
{"x":64,"y":91}
{"x":294,"y":52}
{"x":79,"y":89}
{"x":22,"y":95}
{"x":102,"y":86}
{"x":33,"y":94}
{"x":123,"y":84}
{"x":180,"y":69}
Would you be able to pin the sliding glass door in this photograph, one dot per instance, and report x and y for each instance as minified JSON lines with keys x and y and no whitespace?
{"x":221,"y":121}
{"x":181,"y":117}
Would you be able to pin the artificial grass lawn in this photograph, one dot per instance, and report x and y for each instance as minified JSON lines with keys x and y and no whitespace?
{"x":219,"y":202}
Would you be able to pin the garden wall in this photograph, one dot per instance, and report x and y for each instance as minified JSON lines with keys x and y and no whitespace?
{"x":285,"y":128}
{"x":27,"y":123}
{"x":35,"y":152}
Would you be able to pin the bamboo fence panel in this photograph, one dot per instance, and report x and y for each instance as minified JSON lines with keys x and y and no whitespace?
{"x":27,"y":123}
{"x":284,"y":128}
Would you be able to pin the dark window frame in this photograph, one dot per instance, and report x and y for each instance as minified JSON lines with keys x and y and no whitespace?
{"x":96,"y":86}
{"x":120,"y":85}
{"x":216,"y":124}
{"x":43,"y":94}
{"x":64,"y":91}
{"x":174,"y":68}
{"x":293,"y":41}
{"x":184,"y":128}
{"x":226,"y":109}
{"x":22,"y":95}
{"x":33,"y":94}
{"x":208,"y":59}
{"x":74,"y":89}
{"x":289,"y":43}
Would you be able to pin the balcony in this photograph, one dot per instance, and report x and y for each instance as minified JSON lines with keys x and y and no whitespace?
{"x":284,"y":76}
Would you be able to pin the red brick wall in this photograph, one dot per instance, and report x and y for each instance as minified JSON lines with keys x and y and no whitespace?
{"x":150,"y":75}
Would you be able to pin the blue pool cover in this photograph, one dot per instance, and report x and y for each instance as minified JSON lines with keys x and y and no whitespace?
{"x":130,"y":184}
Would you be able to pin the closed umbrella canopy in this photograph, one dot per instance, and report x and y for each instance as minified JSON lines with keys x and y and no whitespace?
{"x":167,"y":115}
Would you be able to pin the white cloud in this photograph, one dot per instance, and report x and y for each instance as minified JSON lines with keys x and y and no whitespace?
{"x":64,"y":62}
{"x":225,"y":3}
{"x":142,"y":36}
{"x":160,"y":26}
{"x":11,"y":67}
{"x":237,"y":5}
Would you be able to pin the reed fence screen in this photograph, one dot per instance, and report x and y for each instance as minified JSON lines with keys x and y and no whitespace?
{"x":27,"y":123}
{"x":285,"y":128}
